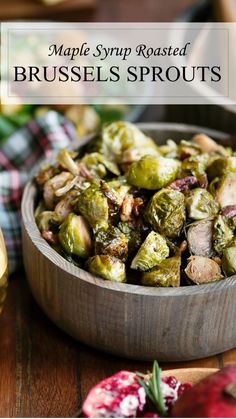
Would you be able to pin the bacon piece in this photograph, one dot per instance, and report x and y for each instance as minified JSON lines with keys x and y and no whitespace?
{"x":184,"y":184}
{"x":229,"y":211}
{"x":50,"y":237}
{"x":127,"y":208}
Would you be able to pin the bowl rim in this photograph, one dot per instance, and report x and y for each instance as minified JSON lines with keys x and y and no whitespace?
{"x":29,"y":223}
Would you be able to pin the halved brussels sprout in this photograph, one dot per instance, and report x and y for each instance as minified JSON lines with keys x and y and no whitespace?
{"x":201,"y":270}
{"x":222,"y":234}
{"x":46,"y":220}
{"x":93,"y":205}
{"x":151,"y":253}
{"x":200,"y":238}
{"x":226,"y":190}
{"x":166,"y":212}
{"x":167,"y":274}
{"x":229,"y":261}
{"x":74,"y":236}
{"x":221,"y":166}
{"x":120,"y":136}
{"x":111,"y":242}
{"x":152,"y":172}
{"x":107,"y":267}
{"x":201,"y":204}
{"x":99,"y":164}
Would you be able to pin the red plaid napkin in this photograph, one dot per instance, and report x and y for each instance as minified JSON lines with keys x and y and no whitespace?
{"x":18,"y":155}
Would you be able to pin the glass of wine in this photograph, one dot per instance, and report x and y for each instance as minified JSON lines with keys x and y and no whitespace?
{"x":3,"y":271}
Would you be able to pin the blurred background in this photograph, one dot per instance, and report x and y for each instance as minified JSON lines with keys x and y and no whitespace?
{"x":88,"y":119}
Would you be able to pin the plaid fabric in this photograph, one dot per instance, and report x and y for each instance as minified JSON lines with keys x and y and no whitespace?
{"x":18,"y":155}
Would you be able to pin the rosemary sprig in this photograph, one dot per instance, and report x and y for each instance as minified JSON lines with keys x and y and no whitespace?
{"x":152,"y":387}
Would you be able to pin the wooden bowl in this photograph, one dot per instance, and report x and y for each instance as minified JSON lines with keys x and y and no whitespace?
{"x":167,"y":324}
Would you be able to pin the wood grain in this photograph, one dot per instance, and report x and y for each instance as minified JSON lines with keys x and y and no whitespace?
{"x":129,"y":320}
{"x":62,"y":371}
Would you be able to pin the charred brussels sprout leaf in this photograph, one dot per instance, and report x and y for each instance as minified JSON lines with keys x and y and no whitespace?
{"x":201,"y":270}
{"x":167,"y":274}
{"x":65,"y":159}
{"x":200,"y":238}
{"x":229,"y":261}
{"x":222,"y":234}
{"x":75,"y":237}
{"x":93,"y":205}
{"x":152,"y":172}
{"x":201,"y":204}
{"x":133,"y":237}
{"x":151,"y":253}
{"x":98,"y":165}
{"x":166,"y":212}
{"x":111,"y":242}
{"x":120,"y":185}
{"x":107,"y":267}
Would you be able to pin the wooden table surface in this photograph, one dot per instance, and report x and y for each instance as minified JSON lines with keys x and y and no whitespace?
{"x":43,"y":372}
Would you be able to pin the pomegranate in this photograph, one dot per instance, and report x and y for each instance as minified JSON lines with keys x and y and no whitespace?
{"x":172,"y":390}
{"x":117,"y":396}
{"x":213,"y":397}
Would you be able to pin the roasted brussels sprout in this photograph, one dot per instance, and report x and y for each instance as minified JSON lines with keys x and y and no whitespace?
{"x":120,"y":136}
{"x":221,"y":166}
{"x":195,"y":165}
{"x":99,"y":165}
{"x":167,"y":274}
{"x":222,"y":234}
{"x":201,"y":270}
{"x":201,"y":204}
{"x":152,"y":172}
{"x":111,"y":242}
{"x":166,"y":212}
{"x":226,"y":190}
{"x":151,"y":253}
{"x":200,"y":238}
{"x":93,"y":205}
{"x":229,"y":261}
{"x":122,"y":201}
{"x":107,"y":267}
{"x":74,"y":236}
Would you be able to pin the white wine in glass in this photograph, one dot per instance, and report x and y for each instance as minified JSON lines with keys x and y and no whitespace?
{"x":3,"y":271}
